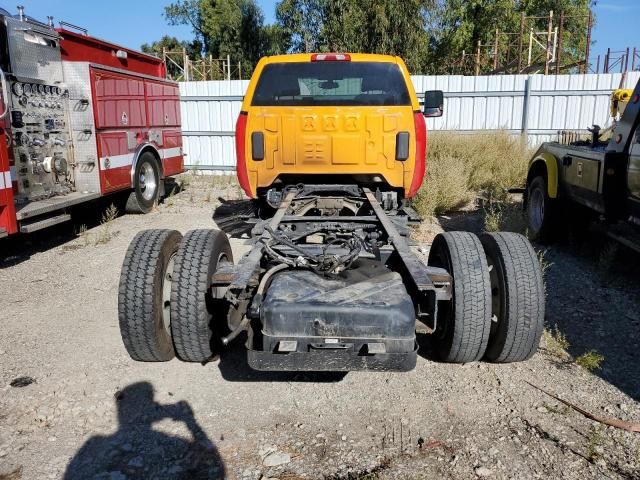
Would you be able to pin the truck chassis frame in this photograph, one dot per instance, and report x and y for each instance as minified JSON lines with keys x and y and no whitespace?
{"x":427,"y":284}
{"x":331,"y":284}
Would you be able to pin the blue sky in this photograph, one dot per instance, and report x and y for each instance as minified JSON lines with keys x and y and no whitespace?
{"x":134,"y":22}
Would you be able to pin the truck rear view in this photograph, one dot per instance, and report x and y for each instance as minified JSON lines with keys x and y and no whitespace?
{"x":335,"y":143}
{"x":350,"y":118}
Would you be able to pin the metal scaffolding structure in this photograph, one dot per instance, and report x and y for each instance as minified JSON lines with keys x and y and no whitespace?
{"x":530,"y":50}
{"x":181,"y":68}
{"x":618,"y":61}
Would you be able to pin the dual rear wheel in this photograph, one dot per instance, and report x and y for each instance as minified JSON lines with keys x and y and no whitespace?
{"x":165,"y":306}
{"x":497,"y":309}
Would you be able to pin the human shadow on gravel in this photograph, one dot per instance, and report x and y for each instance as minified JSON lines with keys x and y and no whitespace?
{"x":138,"y":451}
{"x":234,"y":367}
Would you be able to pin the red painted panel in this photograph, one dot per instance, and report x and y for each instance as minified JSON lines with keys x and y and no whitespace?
{"x":7,"y":209}
{"x":83,"y":48}
{"x":164,"y":104}
{"x":118,"y":100}
{"x":113,"y":145}
{"x":171,"y":138}
{"x":172,"y":164}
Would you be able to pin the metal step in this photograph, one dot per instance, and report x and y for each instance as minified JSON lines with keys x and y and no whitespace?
{"x":52,"y":204}
{"x":44,"y":223}
{"x":3,"y":233}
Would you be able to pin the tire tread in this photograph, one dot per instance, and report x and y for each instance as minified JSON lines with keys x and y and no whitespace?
{"x":136,"y":292}
{"x":525,"y":298}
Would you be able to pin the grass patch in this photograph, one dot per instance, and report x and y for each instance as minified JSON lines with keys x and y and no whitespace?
{"x":505,"y":217}
{"x":461,"y":167}
{"x":591,"y":360}
{"x":556,"y":343}
{"x":105,"y":233}
{"x":595,"y":441}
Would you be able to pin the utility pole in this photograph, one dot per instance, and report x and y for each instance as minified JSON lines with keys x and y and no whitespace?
{"x":185,"y":59}
{"x":521,"y":38}
{"x":587,"y":49}
{"x":559,"y":43}
{"x":495,"y":51}
{"x":547,"y":58}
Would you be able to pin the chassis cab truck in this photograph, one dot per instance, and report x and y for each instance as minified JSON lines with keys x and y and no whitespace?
{"x":81,"y":118}
{"x":591,"y":178}
{"x":335,"y":144}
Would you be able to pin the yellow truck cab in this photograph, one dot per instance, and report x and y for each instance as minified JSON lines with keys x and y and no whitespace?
{"x":343,"y":118}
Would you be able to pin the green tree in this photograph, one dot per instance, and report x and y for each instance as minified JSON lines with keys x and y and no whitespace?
{"x":224,"y":27}
{"x":375,"y":26}
{"x":275,"y":40}
{"x":301,"y":21}
{"x":457,"y":25}
{"x":172,"y":44}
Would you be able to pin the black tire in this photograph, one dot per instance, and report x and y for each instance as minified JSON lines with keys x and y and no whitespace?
{"x":144,"y":325}
{"x":518,"y":299}
{"x":146,"y":185}
{"x":542,"y":211}
{"x":193,"y":320}
{"x":463,"y":324}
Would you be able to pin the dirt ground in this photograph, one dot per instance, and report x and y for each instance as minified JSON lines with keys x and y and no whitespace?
{"x":91,"y":412}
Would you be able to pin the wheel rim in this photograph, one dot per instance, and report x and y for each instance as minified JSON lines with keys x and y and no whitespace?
{"x":167,"y":280}
{"x":445,"y":313}
{"x":147,"y":181}
{"x":496,"y":296}
{"x":219,"y":292}
{"x":536,"y":209}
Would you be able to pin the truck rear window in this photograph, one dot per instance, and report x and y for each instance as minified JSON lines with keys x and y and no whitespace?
{"x":331,"y":83}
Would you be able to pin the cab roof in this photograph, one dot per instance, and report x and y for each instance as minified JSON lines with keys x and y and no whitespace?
{"x":355,"y":57}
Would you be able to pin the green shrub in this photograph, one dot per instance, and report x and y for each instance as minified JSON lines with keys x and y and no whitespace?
{"x":591,"y":360}
{"x":460,"y":167}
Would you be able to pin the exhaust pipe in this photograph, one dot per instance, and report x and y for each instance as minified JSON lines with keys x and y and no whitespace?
{"x":21,"y":12}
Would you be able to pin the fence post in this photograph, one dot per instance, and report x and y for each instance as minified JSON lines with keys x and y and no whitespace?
{"x":525,"y":108}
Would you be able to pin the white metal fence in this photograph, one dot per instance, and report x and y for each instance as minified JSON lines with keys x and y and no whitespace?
{"x":536,"y":105}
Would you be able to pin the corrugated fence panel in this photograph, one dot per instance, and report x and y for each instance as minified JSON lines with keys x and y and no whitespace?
{"x":472,"y":105}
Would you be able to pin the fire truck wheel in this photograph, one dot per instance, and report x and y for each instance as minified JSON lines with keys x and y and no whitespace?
{"x":517,"y":293}
{"x":144,"y":295}
{"x":195,"y":314}
{"x":146,"y":182}
{"x":463,"y":324}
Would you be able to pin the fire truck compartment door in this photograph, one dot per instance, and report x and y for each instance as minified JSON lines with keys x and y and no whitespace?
{"x":164,"y":104}
{"x":119,"y":100}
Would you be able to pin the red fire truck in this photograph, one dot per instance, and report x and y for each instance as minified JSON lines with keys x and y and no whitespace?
{"x":82,"y":118}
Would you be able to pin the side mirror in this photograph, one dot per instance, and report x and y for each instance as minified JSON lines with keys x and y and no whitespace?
{"x":433,"y":103}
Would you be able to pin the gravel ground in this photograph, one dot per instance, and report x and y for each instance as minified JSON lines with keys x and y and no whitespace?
{"x":91,"y":412}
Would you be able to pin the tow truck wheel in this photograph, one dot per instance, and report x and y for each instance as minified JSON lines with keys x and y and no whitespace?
{"x":144,"y":295}
{"x":540,"y":211}
{"x":195,"y":316}
{"x":463,"y":324}
{"x":146,"y":185}
{"x":517,"y":293}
